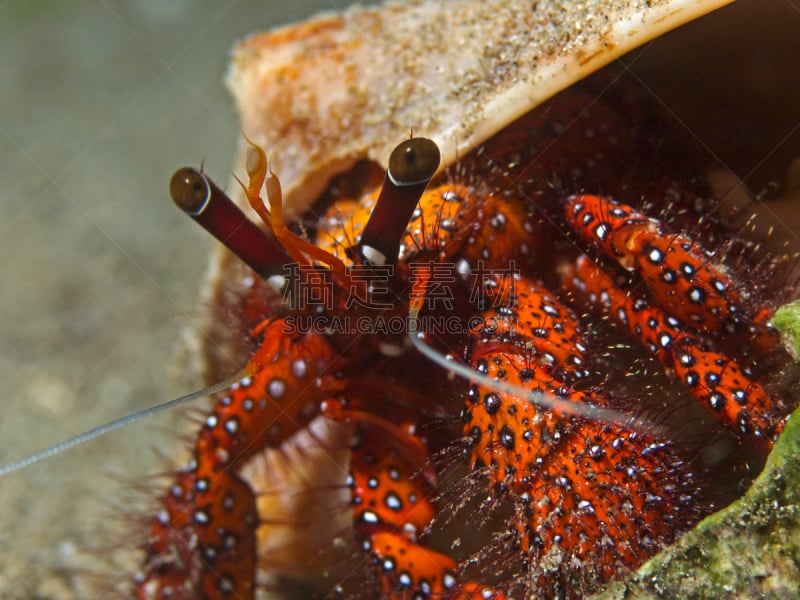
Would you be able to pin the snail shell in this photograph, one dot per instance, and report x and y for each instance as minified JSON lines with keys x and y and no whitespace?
{"x":339,"y":88}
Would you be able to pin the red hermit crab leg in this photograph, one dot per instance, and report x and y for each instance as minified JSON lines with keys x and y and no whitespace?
{"x":674,"y":269}
{"x":573,"y":481}
{"x":697,"y":297}
{"x":726,"y":390}
{"x":204,"y":540}
{"x":677,"y":272}
{"x":391,"y":493}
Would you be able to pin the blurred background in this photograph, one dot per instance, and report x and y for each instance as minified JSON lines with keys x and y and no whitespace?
{"x":101,"y":101}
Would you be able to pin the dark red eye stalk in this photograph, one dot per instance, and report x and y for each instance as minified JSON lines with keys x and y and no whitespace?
{"x":411,"y":167}
{"x":200,"y":198}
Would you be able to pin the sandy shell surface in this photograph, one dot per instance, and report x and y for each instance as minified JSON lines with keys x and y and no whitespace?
{"x":347,"y":86}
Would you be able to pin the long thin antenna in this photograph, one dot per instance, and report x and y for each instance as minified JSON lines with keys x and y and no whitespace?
{"x":127,"y":420}
{"x":539,"y":398}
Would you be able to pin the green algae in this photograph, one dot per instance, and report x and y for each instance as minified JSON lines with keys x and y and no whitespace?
{"x":787,"y":321}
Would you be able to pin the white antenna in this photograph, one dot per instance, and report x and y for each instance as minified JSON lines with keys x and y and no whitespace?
{"x":116,"y":424}
{"x":539,"y":398}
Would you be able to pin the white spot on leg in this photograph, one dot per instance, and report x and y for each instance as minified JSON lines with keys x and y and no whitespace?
{"x":276,"y":388}
{"x":601,"y":231}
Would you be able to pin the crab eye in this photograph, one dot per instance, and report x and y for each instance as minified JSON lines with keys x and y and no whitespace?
{"x":411,"y":166}
{"x":200,"y":198}
{"x":189,"y":190}
{"x":414,"y":161}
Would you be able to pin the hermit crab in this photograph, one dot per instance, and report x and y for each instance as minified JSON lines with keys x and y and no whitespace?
{"x":573,"y":299}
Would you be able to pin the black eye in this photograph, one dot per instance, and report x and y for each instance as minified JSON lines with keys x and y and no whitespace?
{"x":189,"y":190}
{"x":414,"y":161}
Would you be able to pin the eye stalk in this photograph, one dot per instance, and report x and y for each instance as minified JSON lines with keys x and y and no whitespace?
{"x":200,"y":198}
{"x":412,"y":164}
